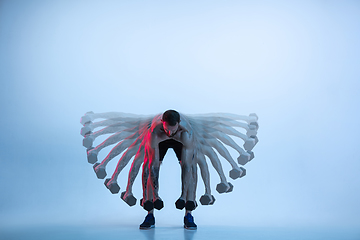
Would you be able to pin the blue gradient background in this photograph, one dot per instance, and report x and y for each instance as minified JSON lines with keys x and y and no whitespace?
{"x":294,"y":64}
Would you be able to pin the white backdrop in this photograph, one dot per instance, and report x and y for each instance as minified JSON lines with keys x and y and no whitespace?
{"x":294,"y":64}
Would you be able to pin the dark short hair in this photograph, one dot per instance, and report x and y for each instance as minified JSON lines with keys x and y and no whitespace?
{"x":171,"y":117}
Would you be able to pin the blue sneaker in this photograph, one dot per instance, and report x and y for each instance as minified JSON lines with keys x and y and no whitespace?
{"x":189,"y":222}
{"x":149,"y":222}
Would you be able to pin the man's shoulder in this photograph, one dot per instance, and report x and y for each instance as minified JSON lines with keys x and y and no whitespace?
{"x":156,"y":125}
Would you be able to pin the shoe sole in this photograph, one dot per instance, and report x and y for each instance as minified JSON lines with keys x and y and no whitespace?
{"x":190,"y":228}
{"x":146,"y":228}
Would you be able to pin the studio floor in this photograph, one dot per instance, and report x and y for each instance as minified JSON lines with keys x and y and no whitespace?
{"x":173,"y":232}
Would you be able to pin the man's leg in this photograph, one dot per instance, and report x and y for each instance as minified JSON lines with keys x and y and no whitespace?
{"x":149,"y":221}
{"x":190,"y":204}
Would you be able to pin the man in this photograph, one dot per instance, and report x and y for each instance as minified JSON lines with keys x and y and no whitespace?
{"x":169,"y":132}
{"x":148,"y":137}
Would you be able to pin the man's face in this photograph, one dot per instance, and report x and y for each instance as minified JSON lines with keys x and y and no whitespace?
{"x":170,"y":130}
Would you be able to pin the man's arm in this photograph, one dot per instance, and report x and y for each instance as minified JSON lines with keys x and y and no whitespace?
{"x":189,"y":171}
{"x":154,"y":167}
{"x":151,"y":171}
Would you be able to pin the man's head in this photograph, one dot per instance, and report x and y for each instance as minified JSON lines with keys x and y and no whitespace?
{"x":170,"y":120}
